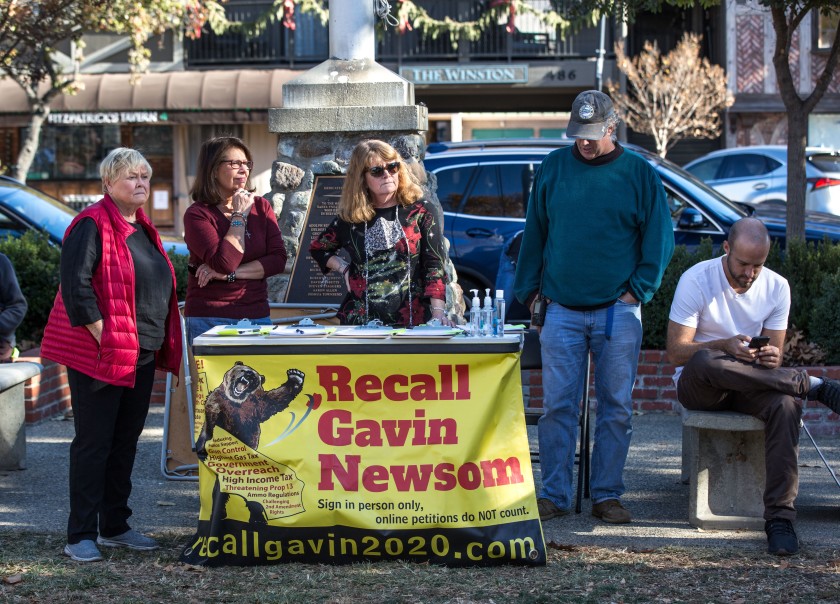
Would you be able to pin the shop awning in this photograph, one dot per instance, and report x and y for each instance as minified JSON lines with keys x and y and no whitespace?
{"x":218,"y":90}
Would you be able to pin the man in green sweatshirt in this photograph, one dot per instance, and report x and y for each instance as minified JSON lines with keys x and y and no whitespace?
{"x":598,"y":236}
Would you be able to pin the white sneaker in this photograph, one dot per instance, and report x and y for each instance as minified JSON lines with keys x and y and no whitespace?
{"x":83,"y":551}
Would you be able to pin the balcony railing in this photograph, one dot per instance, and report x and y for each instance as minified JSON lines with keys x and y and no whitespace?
{"x":308,"y":44}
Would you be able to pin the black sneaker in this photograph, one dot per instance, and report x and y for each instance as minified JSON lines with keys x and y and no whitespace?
{"x":828,"y":393}
{"x":781,"y":538}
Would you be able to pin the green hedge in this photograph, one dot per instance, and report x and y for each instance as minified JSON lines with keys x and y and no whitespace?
{"x":824,"y":318}
{"x":179,"y":263}
{"x":812,"y":269}
{"x":37,"y":263}
{"x":655,"y":313}
{"x":805,"y":266}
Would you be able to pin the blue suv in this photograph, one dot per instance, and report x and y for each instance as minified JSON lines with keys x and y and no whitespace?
{"x":483,"y":187}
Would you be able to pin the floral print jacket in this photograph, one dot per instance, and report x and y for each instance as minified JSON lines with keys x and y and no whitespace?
{"x":396,"y":264}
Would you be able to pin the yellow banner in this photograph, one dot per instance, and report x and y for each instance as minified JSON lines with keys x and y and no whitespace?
{"x":342,"y":458}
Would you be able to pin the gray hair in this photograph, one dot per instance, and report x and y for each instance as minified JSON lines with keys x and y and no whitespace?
{"x":614,"y":121}
{"x":120,"y":162}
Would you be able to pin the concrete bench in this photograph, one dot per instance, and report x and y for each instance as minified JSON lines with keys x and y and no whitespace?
{"x":723,"y":457}
{"x":13,"y":413}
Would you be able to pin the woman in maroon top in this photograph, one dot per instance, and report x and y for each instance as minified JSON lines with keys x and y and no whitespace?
{"x":233,"y":238}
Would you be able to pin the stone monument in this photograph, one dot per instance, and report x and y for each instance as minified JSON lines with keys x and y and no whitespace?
{"x":326,"y":112}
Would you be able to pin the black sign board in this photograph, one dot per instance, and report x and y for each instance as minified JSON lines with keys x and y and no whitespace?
{"x":307,"y":284}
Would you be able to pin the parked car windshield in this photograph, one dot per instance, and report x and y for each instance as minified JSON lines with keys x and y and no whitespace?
{"x":23,"y":208}
{"x":827,"y":162}
{"x":692,"y":188}
{"x":484,"y":187}
{"x":47,"y":213}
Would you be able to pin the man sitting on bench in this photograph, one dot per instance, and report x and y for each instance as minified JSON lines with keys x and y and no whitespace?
{"x":718,"y":307}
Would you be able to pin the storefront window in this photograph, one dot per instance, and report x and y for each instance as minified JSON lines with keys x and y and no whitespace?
{"x":152,"y":141}
{"x":824,"y":130}
{"x":826,"y":30}
{"x":73,"y":152}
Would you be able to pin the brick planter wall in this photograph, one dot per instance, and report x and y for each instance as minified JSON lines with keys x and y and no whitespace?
{"x":654,"y":392}
{"x":48,"y":395}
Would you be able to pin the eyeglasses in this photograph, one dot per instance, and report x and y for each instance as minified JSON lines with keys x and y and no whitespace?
{"x":378,"y":171}
{"x":238,"y":163}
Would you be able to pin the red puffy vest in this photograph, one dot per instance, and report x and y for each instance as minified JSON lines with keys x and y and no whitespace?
{"x":114,"y":359}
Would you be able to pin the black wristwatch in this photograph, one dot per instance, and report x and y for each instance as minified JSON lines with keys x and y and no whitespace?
{"x":231,"y":277}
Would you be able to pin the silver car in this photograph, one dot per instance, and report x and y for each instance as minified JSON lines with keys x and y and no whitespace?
{"x":758,"y":175}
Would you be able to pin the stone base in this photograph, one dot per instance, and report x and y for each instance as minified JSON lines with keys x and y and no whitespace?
{"x":723,"y":452}
{"x":348,"y":119}
{"x":13,"y":413}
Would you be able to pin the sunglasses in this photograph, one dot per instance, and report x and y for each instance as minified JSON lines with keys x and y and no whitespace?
{"x":238,"y":163}
{"x":378,"y":171}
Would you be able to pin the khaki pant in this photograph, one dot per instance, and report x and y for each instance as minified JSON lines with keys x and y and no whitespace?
{"x":715,"y":381}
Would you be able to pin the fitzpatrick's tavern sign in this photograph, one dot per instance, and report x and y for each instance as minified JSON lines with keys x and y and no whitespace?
{"x":107,"y":117}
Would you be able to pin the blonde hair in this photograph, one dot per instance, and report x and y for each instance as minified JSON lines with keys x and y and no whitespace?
{"x":120,"y":162}
{"x":356,"y":205}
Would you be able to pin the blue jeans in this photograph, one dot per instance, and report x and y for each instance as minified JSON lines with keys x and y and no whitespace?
{"x":195,"y":326}
{"x":566,"y":339}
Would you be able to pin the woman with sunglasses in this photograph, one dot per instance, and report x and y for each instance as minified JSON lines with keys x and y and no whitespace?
{"x":393,"y":240}
{"x":233,"y":238}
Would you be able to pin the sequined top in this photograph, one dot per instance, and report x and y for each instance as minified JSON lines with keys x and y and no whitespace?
{"x":396,"y":263}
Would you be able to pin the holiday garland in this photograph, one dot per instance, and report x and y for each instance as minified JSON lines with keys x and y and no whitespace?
{"x":409,"y":17}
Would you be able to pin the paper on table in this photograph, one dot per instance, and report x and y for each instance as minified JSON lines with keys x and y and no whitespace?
{"x":233,"y":330}
{"x":366,"y":332}
{"x":301,"y":331}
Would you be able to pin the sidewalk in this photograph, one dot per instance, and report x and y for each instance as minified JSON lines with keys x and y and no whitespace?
{"x":35,"y":499}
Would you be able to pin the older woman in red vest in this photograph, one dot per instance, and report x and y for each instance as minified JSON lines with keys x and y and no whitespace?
{"x":114,"y":321}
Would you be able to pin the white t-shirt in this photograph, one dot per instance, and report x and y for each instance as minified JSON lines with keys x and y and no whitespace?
{"x":705,"y":300}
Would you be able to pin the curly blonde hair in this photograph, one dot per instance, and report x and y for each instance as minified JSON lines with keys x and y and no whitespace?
{"x":356,"y":205}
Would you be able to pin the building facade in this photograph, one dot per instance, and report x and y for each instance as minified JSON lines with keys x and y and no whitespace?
{"x":758,"y":115}
{"x":517,"y":83}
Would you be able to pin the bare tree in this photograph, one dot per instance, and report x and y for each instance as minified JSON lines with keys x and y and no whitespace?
{"x":787,"y":17}
{"x":671,"y":97}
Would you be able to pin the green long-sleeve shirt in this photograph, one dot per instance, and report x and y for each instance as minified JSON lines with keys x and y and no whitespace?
{"x":598,"y":228}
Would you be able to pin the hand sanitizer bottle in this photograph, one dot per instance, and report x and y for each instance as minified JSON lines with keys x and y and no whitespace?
{"x":487,"y":315}
{"x":475,"y":314}
{"x":500,"y":313}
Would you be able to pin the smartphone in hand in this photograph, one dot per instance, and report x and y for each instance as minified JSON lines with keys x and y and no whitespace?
{"x":759,"y":341}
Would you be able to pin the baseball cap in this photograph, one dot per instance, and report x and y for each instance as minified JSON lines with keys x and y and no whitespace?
{"x":592,"y":114}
